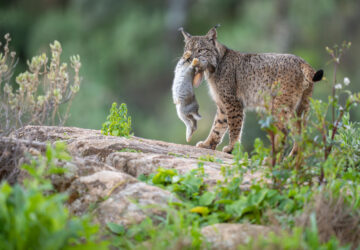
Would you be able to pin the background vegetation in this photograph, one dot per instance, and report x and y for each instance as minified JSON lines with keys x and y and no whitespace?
{"x":129,"y":49}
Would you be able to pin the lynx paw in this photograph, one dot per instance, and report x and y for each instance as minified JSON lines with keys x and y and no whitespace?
{"x":228,"y":149}
{"x":202,"y":144}
{"x":195,"y":62}
{"x":187,"y":54}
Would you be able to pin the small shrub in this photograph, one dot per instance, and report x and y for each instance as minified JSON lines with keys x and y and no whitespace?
{"x":118,"y":123}
{"x":41,"y":91}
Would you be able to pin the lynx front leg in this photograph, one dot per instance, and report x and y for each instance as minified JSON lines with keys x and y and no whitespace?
{"x":235,"y":115}
{"x":217,"y":131}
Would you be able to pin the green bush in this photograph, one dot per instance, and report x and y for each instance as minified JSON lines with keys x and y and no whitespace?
{"x":118,"y":123}
{"x":42,"y":91}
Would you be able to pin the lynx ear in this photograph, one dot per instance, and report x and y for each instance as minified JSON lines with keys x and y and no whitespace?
{"x":198,"y":79}
{"x":186,"y":35}
{"x":212,"y":34}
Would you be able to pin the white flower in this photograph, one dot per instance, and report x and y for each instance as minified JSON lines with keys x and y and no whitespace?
{"x":346,"y":81}
{"x":338,"y":86}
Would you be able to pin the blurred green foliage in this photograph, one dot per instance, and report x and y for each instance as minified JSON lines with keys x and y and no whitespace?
{"x":129,"y":49}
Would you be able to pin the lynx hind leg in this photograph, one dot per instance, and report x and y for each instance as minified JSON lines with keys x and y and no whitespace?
{"x":302,"y":112}
{"x":284,"y":111}
{"x":187,"y":54}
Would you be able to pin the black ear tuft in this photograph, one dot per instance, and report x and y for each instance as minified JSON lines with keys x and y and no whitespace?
{"x":212,"y":34}
{"x":186,"y":35}
{"x":318,"y":75}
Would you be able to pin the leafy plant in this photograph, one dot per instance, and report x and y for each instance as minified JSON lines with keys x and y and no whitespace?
{"x":118,"y":123}
{"x":226,"y":202}
{"x":42,"y":167}
{"x":34,"y":217}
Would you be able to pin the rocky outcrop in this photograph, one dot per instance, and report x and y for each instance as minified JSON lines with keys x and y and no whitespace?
{"x":102,"y":175}
{"x":134,"y":156}
{"x":117,"y":197}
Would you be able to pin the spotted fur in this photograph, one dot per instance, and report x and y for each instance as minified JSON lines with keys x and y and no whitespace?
{"x":239,"y":81}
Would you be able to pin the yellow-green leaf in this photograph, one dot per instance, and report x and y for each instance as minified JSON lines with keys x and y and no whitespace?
{"x":200,"y":210}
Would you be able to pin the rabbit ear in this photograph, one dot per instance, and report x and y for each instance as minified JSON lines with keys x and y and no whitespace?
{"x":212,"y":34}
{"x":186,"y":35}
{"x":198,"y":78}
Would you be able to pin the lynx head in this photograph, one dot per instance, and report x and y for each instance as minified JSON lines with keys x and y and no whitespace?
{"x":204,"y":48}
